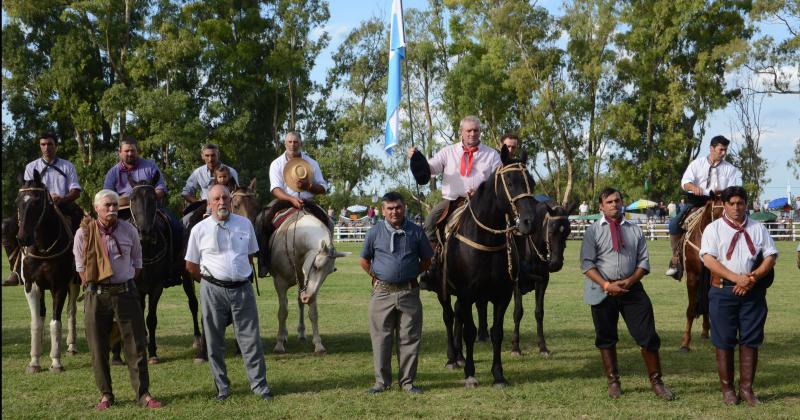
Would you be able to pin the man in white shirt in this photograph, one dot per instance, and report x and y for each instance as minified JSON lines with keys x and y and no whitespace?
{"x":220,"y":251}
{"x":741,"y":256}
{"x":298,"y":194}
{"x":704,"y":177}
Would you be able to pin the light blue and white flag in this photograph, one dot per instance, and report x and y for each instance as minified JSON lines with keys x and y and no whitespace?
{"x":397,"y":52}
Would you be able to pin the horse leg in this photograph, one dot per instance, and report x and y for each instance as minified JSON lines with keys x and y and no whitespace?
{"x":37,"y":327}
{"x":539,"y":315}
{"x":706,"y":327}
{"x":447,"y":317}
{"x":301,"y":322}
{"x":497,"y":342}
{"x":188,"y":289}
{"x":458,"y":335}
{"x":470,"y":332}
{"x":283,"y":312}
{"x":691,"y":286}
{"x":59,"y":297}
{"x":152,"y":323}
{"x":519,"y":311}
{"x":313,"y":315}
{"x":483,"y":325}
{"x":72,"y":309}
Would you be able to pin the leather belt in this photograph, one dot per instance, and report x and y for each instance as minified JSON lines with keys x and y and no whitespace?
{"x":384,"y":286}
{"x":111,"y":289}
{"x":719,"y":282}
{"x":223,"y":283}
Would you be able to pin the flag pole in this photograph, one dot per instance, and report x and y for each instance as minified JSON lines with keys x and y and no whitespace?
{"x":410,"y":119}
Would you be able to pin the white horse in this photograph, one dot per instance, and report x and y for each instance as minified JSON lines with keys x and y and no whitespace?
{"x":301,"y":252}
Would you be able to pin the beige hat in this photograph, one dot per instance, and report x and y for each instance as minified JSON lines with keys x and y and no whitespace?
{"x":297,"y":169}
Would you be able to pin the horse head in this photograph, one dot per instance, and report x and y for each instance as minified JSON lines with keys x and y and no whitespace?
{"x":32,"y":202}
{"x":316,"y":269}
{"x":553,"y":234}
{"x":514,"y":187}
{"x":143,"y":205}
{"x":244,"y":203}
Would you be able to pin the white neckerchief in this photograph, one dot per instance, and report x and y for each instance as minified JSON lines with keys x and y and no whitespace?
{"x":393,"y":232}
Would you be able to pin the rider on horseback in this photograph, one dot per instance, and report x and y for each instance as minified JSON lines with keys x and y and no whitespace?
{"x":295,"y":178}
{"x":61,"y":180}
{"x":202,"y":179}
{"x":703,"y":177}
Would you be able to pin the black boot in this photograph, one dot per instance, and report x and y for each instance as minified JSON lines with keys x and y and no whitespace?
{"x":675,"y":269}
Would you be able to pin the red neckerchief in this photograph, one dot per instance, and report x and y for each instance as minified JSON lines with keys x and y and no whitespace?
{"x":617,"y":240}
{"x":124,"y":168}
{"x":109,"y":231}
{"x":739,"y":229}
{"x":466,"y":159}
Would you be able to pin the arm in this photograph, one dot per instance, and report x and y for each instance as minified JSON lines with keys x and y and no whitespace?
{"x":366,"y":266}
{"x":188,"y":191}
{"x":713,"y":265}
{"x":71,"y":196}
{"x":611,"y":288}
{"x":193,"y":270}
{"x":280,"y":194}
{"x":763,"y":269}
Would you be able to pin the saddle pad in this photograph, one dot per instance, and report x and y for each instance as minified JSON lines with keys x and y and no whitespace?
{"x":282,"y":215}
{"x":692,"y":219}
{"x":455,"y":218}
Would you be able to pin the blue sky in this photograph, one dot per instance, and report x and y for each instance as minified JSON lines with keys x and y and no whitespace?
{"x":780,"y":116}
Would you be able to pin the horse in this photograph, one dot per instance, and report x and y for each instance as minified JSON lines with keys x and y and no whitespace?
{"x":154,"y":231}
{"x":302,"y":254}
{"x":693,"y":266}
{"x":244,"y":203}
{"x":46,"y":238}
{"x":480,"y":261}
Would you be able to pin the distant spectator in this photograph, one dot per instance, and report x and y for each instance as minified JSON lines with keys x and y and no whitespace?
{"x":584,"y":209}
{"x":672,"y":209}
{"x":331,"y":213}
{"x":682,"y":205}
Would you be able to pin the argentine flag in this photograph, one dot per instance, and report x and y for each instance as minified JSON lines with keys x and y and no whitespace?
{"x":397,"y":52}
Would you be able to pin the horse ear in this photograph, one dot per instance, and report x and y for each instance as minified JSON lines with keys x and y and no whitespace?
{"x":524,"y":156}
{"x":37,"y":177}
{"x":504,"y":155}
{"x":252,"y":185}
{"x":156,"y":177}
{"x":340,"y":254}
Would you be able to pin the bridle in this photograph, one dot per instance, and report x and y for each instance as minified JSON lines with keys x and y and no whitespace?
{"x":499,"y":174}
{"x":133,"y":188}
{"x":26,"y":251}
{"x":164,"y":249}
{"x":546,"y":226}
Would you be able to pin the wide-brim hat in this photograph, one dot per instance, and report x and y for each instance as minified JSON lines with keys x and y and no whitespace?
{"x":297,"y":169}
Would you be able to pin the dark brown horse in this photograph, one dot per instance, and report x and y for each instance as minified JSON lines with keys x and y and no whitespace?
{"x":45,"y":238}
{"x":690,"y":252}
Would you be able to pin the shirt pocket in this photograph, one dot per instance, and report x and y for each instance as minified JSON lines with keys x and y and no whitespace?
{"x":240,"y":242}
{"x":208,"y":242}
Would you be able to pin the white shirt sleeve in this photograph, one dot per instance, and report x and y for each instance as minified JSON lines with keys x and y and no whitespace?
{"x":689,"y":174}
{"x":192,"y":248}
{"x":768,"y":245}
{"x":437,"y":162}
{"x":318,"y":178}
{"x":276,"y":175}
{"x":192,"y":184}
{"x":72,"y":176}
{"x":253,"y":247}
{"x":709,"y":242}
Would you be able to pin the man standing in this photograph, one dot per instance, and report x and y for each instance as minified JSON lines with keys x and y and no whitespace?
{"x":584,"y":209}
{"x":202,"y":178}
{"x":672,"y":209}
{"x":614,"y":258}
{"x":299,"y":191}
{"x":395,"y":252}
{"x":220,"y":251}
{"x":61,"y":180}
{"x":703,"y":177}
{"x":741,"y":256}
{"x":464,"y":166}
{"x":511,"y":141}
{"x":114,"y":300}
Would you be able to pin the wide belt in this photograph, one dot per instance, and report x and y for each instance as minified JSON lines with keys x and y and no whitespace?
{"x":719,"y":282}
{"x":111,"y":289}
{"x":225,"y":284}
{"x":385,"y":286}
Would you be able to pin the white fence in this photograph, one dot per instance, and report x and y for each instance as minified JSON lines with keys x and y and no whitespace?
{"x":780,"y":231}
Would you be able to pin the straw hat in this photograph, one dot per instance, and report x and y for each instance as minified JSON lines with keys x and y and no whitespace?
{"x":297,"y":169}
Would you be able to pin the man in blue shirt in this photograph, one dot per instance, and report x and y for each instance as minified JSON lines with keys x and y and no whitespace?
{"x":395,"y":252}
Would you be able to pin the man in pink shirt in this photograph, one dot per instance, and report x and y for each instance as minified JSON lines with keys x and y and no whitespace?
{"x":464,"y":166}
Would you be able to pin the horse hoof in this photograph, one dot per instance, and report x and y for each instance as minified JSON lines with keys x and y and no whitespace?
{"x":470,"y":383}
{"x":683,"y":349}
{"x":277,"y":350}
{"x":33,"y":369}
{"x":704,"y":336}
{"x":301,"y":338}
{"x":196,"y":344}
{"x":153,"y":361}
{"x":72,"y":352}
{"x":500,"y":384}
{"x":483,"y":339}
{"x":56,"y":369}
{"x":200,"y":360}
{"x":461,"y":363}
{"x":320,"y":352}
{"x":516,"y":353}
{"x":450,"y":366}
{"x":545,"y":354}
{"x":117,"y":362}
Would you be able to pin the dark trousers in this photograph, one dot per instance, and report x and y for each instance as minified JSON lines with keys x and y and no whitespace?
{"x":731,"y":314}
{"x":636,"y":310}
{"x":100,"y":313}
{"x":433,"y":216}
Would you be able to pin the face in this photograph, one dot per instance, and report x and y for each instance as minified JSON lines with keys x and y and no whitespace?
{"x":107,"y":210}
{"x":718,"y":152}
{"x":394,"y":212}
{"x":222,"y":178}
{"x":511,"y":145}
{"x":211,"y":157}
{"x":220,"y":202}
{"x":611,"y":206}
{"x":470,"y":133}
{"x":48,"y":148}
{"x":736,"y":208}
{"x":128,"y":154}
{"x":293,"y":145}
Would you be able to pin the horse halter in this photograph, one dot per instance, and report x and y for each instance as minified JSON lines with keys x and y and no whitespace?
{"x":500,"y":173}
{"x":133,"y":217}
{"x":546,"y":226}
{"x":47,"y":201}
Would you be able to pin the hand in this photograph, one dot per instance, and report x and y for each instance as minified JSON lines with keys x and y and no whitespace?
{"x":697,"y":190}
{"x":303,"y":185}
{"x":740,"y":291}
{"x":296,"y":202}
{"x":624,"y":283}
{"x":160,"y":194}
{"x":55,"y":197}
{"x":470,"y":192}
{"x":614,"y":289}
{"x":410,"y":151}
{"x":743,"y":280}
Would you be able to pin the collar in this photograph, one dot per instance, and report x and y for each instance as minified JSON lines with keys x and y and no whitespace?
{"x":55,"y":160}
{"x":621,"y":222}
{"x":464,"y":146}
{"x":286,"y":155}
{"x":743,"y":224}
{"x":392,"y":229}
{"x":124,"y":167}
{"x":708,"y":160}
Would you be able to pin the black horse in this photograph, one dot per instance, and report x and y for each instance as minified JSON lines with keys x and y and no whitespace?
{"x":480,"y":261}
{"x":157,"y":256}
{"x":45,"y":237}
{"x":542,"y":253}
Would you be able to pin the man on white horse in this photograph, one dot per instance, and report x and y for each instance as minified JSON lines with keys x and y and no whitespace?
{"x":295,"y":178}
{"x":61,"y":180}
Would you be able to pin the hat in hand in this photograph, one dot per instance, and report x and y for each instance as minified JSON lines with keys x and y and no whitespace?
{"x":419,"y":168}
{"x":297,"y":169}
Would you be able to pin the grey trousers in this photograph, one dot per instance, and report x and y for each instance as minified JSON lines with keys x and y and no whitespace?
{"x":395,"y":314}
{"x":220,"y":307}
{"x":430,"y":220}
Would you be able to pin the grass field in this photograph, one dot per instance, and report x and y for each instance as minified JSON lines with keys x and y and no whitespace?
{"x":570,"y":384}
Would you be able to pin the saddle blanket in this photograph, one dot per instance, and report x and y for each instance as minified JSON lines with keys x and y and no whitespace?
{"x":282,"y":215}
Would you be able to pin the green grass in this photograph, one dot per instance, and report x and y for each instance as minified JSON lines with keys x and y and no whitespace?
{"x":568,"y":385}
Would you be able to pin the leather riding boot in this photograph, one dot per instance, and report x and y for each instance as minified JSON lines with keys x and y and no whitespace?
{"x":748,"y":361}
{"x":725,"y":371}
{"x":675,"y":267}
{"x":11,"y":249}
{"x":609,"y":357}
{"x":653,"y":364}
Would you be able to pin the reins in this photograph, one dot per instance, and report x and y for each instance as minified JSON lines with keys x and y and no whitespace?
{"x":28,"y":251}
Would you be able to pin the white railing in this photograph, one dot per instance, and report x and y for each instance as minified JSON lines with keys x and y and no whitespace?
{"x":787,"y":231}
{"x":350,"y":233}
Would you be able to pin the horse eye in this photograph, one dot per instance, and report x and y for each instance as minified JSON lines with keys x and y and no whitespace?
{"x":561,"y":229}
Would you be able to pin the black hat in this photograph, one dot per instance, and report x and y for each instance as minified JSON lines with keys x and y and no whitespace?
{"x":419,"y":168}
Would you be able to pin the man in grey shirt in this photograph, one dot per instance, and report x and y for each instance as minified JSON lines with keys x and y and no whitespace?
{"x":614,"y":259}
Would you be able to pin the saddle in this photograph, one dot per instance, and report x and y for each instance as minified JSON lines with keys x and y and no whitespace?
{"x":448,"y":221}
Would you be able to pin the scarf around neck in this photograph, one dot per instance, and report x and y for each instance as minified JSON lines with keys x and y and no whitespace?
{"x":393,"y":232}
{"x":740,"y":229}
{"x":615,"y":226}
{"x":466,"y":159}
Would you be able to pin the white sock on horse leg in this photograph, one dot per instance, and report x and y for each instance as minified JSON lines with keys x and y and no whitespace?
{"x":55,"y":343}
